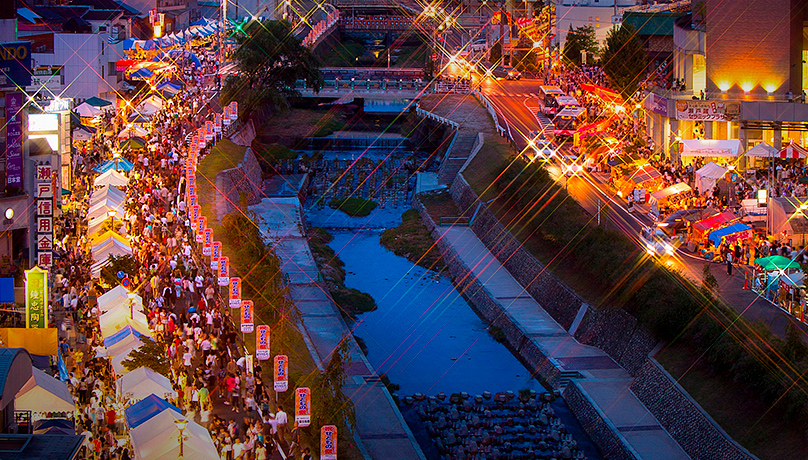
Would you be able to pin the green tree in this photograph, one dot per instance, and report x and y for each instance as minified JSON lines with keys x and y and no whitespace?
{"x":624,"y":59}
{"x":270,"y":60}
{"x":152,"y":355}
{"x":495,"y":55}
{"x":125,"y":263}
{"x":580,"y":39}
{"x":330,"y":405}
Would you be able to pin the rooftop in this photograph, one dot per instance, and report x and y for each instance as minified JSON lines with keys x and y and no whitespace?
{"x":657,"y":23}
{"x":39,"y":446}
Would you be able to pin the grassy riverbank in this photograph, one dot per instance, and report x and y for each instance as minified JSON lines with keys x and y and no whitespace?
{"x":701,"y":332}
{"x":412,"y":241}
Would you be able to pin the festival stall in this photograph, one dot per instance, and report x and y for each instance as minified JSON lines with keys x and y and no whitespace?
{"x":132,"y":130}
{"x":143,"y":410}
{"x":117,"y":163}
{"x":791,"y":294}
{"x":157,"y":440}
{"x":119,"y":352}
{"x":102,"y":223}
{"x":142,"y":382}
{"x":768,"y":271}
{"x":110,"y":246}
{"x":722,"y":151}
{"x":108,"y":191}
{"x":787,"y":220}
{"x":45,"y":396}
{"x":730,"y":234}
{"x":102,"y":208}
{"x":703,"y":227}
{"x":670,"y":198}
{"x":637,"y":179}
{"x":708,"y":175}
{"x":117,"y":298}
{"x":116,"y":320}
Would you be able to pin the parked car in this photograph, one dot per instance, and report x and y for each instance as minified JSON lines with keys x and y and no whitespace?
{"x":513,"y":74}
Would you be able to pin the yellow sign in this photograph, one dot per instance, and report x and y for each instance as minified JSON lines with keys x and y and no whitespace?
{"x":36,"y":298}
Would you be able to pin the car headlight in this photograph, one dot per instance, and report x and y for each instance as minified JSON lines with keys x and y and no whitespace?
{"x":650,"y":250}
{"x":669,"y":249}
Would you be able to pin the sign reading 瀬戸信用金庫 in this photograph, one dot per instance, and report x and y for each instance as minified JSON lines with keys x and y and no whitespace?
{"x":694,"y":110}
{"x":36,"y":295}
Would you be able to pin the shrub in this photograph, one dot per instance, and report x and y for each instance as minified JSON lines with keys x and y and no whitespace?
{"x":354,"y":207}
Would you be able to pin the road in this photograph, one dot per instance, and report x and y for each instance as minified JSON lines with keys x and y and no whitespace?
{"x":516,"y":103}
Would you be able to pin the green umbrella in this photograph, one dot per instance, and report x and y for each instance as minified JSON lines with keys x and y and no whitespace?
{"x":776,"y":263}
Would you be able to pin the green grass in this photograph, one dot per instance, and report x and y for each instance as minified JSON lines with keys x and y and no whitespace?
{"x":412,"y":240}
{"x":344,"y":55}
{"x":354,"y":207}
{"x":297,"y":123}
{"x":224,"y":155}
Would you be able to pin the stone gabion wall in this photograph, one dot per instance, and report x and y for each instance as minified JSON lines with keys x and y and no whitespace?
{"x":601,"y":432}
{"x":231,"y":183}
{"x":683,"y":418}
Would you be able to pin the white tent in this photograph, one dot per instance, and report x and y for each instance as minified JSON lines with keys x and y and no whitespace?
{"x":119,"y":353}
{"x":708,"y":175}
{"x":118,"y":298}
{"x":115,"y":320}
{"x":95,"y":224}
{"x":101,"y":208}
{"x":132,"y":130}
{"x":142,"y":382}
{"x":43,"y":393}
{"x":114,"y":194}
{"x":110,"y":247}
{"x":95,"y":269}
{"x":711,"y":148}
{"x":763,"y":150}
{"x":111,"y":177}
{"x":158,"y":439}
{"x":87,"y":111}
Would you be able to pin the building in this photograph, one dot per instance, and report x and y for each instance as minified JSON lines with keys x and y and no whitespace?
{"x":655,"y":30}
{"x":600,"y":14}
{"x":747,"y":58}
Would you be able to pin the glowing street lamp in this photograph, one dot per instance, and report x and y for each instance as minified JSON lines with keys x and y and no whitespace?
{"x":181,"y":424}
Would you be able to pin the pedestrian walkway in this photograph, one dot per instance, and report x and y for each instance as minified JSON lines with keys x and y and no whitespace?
{"x":603,"y":382}
{"x":380,"y":428}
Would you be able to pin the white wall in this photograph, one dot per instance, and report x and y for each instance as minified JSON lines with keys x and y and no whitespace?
{"x":580,"y":13}
{"x":86,"y":59}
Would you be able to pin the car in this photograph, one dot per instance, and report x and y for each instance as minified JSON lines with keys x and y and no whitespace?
{"x":542,"y":148}
{"x":570,"y":165}
{"x":513,"y":74}
{"x":479,"y":45}
{"x":656,"y":242}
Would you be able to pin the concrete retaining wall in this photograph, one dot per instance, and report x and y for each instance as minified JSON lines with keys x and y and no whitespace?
{"x":603,"y":433}
{"x":232,"y":183}
{"x":245,"y":135}
{"x":698,"y":434}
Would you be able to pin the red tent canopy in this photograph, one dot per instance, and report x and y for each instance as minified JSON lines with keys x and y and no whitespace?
{"x":793,"y":151}
{"x":714,"y":221}
{"x":606,"y":94}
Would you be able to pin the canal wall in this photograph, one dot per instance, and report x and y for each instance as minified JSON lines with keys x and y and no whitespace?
{"x":245,"y":179}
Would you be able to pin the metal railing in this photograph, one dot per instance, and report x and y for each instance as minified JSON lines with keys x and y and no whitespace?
{"x":484,"y":101}
{"x":427,"y":114}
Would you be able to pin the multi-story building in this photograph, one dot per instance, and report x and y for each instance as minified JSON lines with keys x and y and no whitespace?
{"x":747,"y":60}
{"x":600,"y":14}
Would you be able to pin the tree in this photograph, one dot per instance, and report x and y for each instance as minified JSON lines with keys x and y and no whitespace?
{"x":496,"y":53}
{"x":624,"y":59}
{"x":580,"y":39}
{"x":152,"y":355}
{"x":125,"y":263}
{"x":330,"y":403}
{"x":270,"y":60}
{"x":525,"y":58}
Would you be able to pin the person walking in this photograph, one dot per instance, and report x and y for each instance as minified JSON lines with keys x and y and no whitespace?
{"x":729,"y":263}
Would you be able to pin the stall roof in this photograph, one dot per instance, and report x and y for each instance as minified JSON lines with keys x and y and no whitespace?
{"x":763,"y":150}
{"x":776,"y":263}
{"x":716,"y":235}
{"x":711,"y":148}
{"x":714,"y":221}
{"x":145,"y":409}
{"x":793,"y":151}
{"x":645,"y":173}
{"x":674,"y":189}
{"x":43,"y":393}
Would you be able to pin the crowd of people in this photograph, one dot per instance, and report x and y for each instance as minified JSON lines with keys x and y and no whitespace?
{"x":185,"y":315}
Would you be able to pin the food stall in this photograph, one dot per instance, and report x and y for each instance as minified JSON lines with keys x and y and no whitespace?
{"x":670,"y":198}
{"x":640,"y":180}
{"x":737,"y":232}
{"x":791,"y":296}
{"x":703,"y":227}
{"x":707,"y":176}
{"x":768,"y":271}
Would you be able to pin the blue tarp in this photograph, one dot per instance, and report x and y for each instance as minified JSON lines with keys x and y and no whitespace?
{"x":119,"y":164}
{"x":6,"y":290}
{"x":120,"y":335}
{"x":716,"y":236}
{"x":141,"y":73}
{"x":178,"y":54}
{"x":148,"y":407}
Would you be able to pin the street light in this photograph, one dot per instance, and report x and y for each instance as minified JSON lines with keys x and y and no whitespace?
{"x":131,"y":296}
{"x":111,"y":214}
{"x":9,"y":216}
{"x":181,"y":424}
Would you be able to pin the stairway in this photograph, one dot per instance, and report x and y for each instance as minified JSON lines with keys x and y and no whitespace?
{"x":456,"y":157}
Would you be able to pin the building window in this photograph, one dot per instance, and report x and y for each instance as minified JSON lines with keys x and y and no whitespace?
{"x":102,"y":28}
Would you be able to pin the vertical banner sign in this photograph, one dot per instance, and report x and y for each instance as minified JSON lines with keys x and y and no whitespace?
{"x":207,"y":241}
{"x":192,"y":197}
{"x":262,"y":342}
{"x":43,"y":177}
{"x":14,"y":139}
{"x":235,"y":292}
{"x":201,"y":224}
{"x":36,"y":295}
{"x":195,"y":210}
{"x":192,"y":181}
{"x":328,"y":442}
{"x":233,"y":111}
{"x":281,"y":371}
{"x":224,"y":271}
{"x":217,"y":124}
{"x":303,"y":406}
{"x":208,"y":130}
{"x":247,"y":316}
{"x":215,"y":253}
{"x":226,"y":116}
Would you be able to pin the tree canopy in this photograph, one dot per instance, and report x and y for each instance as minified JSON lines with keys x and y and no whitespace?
{"x":580,"y":39}
{"x":152,"y":355}
{"x":624,"y":59}
{"x":270,"y":59}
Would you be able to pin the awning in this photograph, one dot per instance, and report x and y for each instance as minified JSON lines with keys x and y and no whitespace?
{"x":792,"y":152}
{"x":88,"y":110}
{"x":763,"y":150}
{"x":145,"y":409}
{"x":117,"y":298}
{"x":711,"y":148}
{"x":731,"y":233}
{"x":43,"y":393}
{"x":645,"y":173}
{"x":674,"y":189}
{"x":714,"y":221}
{"x":157,"y":440}
{"x":776,"y":263}
{"x":143,"y":382}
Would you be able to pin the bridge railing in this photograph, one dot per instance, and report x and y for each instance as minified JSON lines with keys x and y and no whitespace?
{"x":319,"y":29}
{"x":366,"y":84}
{"x":427,"y":114}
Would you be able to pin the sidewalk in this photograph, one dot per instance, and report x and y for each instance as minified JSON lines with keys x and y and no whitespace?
{"x":603,"y":383}
{"x":380,"y":428}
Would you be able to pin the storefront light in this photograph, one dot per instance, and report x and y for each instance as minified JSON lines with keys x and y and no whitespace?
{"x":762,"y":197}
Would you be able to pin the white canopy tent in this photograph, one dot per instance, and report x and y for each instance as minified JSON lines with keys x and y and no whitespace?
{"x":142,"y":382}
{"x":119,"y":353}
{"x":114,"y":194}
{"x":43,"y":393}
{"x":95,"y":269}
{"x":86,"y":110}
{"x":118,"y":298}
{"x":102,"y":207}
{"x":115,"y":320}
{"x":111,"y":177}
{"x":132,"y":130}
{"x":763,"y":150}
{"x":110,"y":247}
{"x":94,"y":225}
{"x":708,"y":175}
{"x":157,"y":439}
{"x":711,"y":148}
